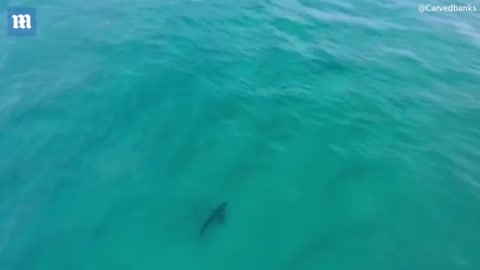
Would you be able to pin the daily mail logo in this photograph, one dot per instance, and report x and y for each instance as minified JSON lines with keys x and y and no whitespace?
{"x":21,"y":21}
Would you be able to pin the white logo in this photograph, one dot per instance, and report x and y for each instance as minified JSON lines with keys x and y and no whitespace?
{"x":19,"y":21}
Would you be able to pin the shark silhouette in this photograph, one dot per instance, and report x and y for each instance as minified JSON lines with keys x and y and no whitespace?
{"x":217,"y":216}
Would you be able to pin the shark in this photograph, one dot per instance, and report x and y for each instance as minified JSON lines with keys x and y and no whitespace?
{"x":217,"y":216}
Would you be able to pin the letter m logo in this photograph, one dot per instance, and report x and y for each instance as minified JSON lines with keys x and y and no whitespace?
{"x":21,"y":21}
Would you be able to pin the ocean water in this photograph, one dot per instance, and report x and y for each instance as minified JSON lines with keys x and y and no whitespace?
{"x":342,"y":134}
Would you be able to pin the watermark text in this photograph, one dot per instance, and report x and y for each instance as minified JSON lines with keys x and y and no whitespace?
{"x":446,"y":8}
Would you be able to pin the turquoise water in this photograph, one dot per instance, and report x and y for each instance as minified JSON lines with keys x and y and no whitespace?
{"x":343,"y":135}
